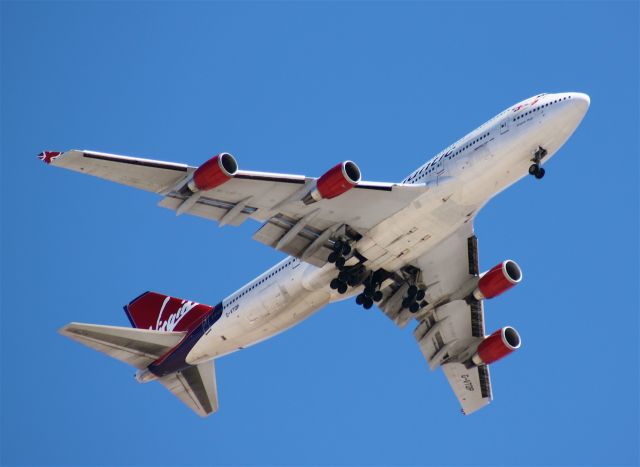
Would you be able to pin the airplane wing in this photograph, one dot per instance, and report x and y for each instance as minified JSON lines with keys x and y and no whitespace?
{"x":451,"y":327}
{"x":275,"y":199}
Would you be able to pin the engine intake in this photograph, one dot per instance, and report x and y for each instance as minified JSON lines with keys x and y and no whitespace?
{"x":498,"y":345}
{"x":337,"y":181}
{"x":213,"y":173}
{"x":498,"y":280}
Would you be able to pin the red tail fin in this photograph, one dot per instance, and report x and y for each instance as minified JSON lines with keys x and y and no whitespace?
{"x":159,"y":312}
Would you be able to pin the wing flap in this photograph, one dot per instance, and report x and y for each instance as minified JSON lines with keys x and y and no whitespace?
{"x":196,"y":387}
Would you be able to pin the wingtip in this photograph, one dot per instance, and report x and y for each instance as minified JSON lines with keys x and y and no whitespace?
{"x":48,"y":156}
{"x":64,"y":330}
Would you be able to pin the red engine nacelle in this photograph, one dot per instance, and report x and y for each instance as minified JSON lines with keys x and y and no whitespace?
{"x":213,"y":173}
{"x":335,"y":182}
{"x":498,"y":345}
{"x":498,"y":280}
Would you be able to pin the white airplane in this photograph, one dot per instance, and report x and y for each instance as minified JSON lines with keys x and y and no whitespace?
{"x":409,"y":247}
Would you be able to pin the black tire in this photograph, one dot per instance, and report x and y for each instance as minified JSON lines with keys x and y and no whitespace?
{"x":533,"y":169}
{"x":334,"y":284}
{"x":337,"y":246}
{"x":360,"y":299}
{"x":414,"y":307}
{"x":413,"y":290}
{"x":333,"y":256}
{"x":420,"y":295}
{"x":346,"y":249}
{"x":368,"y":303}
{"x":540,"y":173}
{"x":342,"y":288}
{"x":368,"y":292}
{"x":340,"y":262}
{"x":377,"y":296}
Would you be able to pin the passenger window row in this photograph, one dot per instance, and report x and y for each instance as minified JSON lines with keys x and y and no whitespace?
{"x":468,"y":145}
{"x":541,"y":107}
{"x":261,"y":281}
{"x":431,"y":166}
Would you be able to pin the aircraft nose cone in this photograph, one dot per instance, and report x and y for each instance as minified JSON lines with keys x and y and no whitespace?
{"x":581,"y":101}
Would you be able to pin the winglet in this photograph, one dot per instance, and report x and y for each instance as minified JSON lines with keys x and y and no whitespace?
{"x":48,"y":156}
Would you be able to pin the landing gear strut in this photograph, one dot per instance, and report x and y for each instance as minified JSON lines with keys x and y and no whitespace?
{"x":535,"y":168}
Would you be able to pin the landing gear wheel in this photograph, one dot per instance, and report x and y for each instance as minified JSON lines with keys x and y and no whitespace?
{"x":533,"y":169}
{"x":342,"y":288}
{"x":413,"y":290}
{"x":377,"y":296}
{"x":540,"y":173}
{"x":337,"y":246}
{"x":346,"y":249}
{"x":334,"y":284}
{"x":414,"y":307}
{"x":333,"y":256}
{"x":420,"y":295}
{"x":360,"y":299}
{"x":368,"y":303}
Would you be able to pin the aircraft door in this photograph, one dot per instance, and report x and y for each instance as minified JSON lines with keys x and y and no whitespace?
{"x":504,"y":126}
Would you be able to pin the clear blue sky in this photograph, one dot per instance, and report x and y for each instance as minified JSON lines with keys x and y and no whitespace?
{"x":296,"y":88}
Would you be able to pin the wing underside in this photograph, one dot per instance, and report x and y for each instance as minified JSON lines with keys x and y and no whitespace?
{"x":196,"y":387}
{"x":274,"y":199}
{"x":452,"y":325}
{"x":137,"y":347}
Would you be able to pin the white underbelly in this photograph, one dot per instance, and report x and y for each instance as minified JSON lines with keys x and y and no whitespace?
{"x":269,"y":312}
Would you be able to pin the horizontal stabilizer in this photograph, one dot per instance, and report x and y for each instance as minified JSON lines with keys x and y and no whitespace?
{"x":137,"y":347}
{"x":196,"y":387}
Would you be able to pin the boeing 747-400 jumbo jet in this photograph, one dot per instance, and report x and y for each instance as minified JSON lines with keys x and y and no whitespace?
{"x":408,"y":247}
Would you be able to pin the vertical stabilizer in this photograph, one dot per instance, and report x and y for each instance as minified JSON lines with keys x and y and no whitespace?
{"x":158,"y":312}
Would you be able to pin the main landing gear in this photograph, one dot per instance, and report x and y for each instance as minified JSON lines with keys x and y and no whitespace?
{"x":355,"y":275}
{"x":535,"y":168}
{"x":414,"y":300}
{"x":371,"y":292}
{"x":349,"y":276}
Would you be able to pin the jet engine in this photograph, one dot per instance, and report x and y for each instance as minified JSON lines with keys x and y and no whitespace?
{"x":213,"y":173}
{"x":498,"y":345}
{"x":335,"y":182}
{"x":498,"y":280}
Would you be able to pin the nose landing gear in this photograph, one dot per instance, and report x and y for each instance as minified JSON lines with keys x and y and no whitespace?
{"x":535,"y":168}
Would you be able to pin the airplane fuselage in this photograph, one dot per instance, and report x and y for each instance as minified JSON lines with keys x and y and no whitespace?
{"x":460,"y":179}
